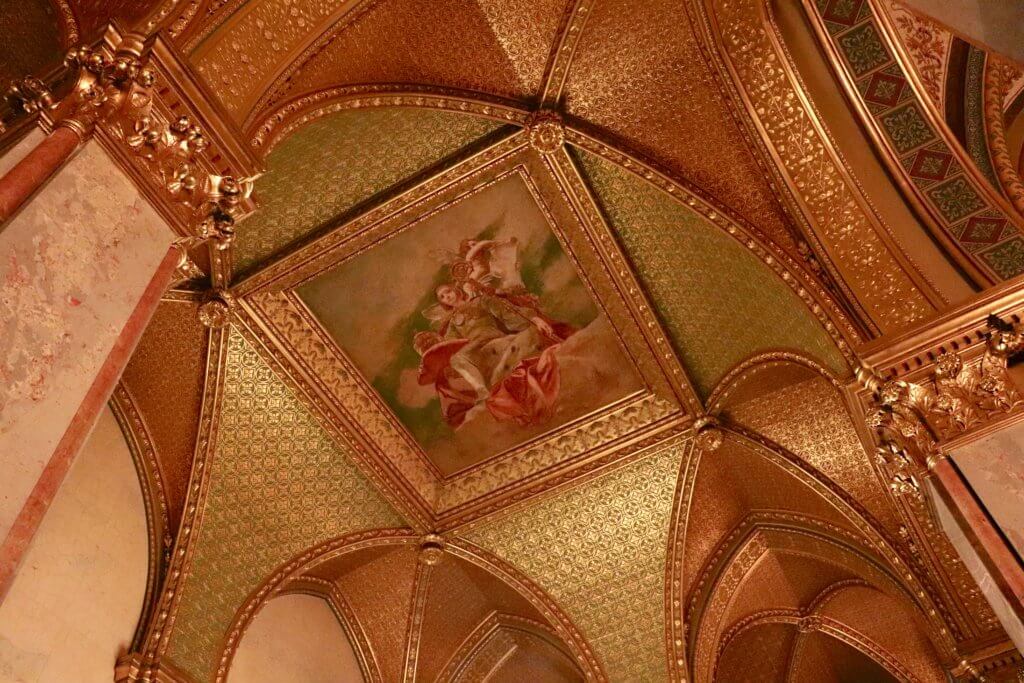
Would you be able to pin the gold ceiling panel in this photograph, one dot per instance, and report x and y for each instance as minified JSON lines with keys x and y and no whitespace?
{"x":599,"y":550}
{"x":278,"y":485}
{"x":170,"y":402}
{"x":498,"y":47}
{"x":29,"y":41}
{"x":719,"y":303}
{"x":243,"y":55}
{"x":338,"y":162}
{"x":638,"y":74}
{"x":810,"y":419}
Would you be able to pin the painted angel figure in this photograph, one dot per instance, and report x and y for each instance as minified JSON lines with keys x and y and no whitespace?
{"x":490,"y":347}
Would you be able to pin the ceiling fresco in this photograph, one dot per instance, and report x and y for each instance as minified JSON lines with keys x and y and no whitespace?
{"x":537,"y":357}
{"x":486,"y":339}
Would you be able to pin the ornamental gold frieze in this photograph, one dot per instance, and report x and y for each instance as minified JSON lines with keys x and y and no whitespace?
{"x":951,"y":195}
{"x":747,"y":50}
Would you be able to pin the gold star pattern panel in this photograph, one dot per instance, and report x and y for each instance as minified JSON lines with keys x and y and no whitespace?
{"x":599,"y":550}
{"x":336,"y":163}
{"x":719,"y":303}
{"x":278,"y":485}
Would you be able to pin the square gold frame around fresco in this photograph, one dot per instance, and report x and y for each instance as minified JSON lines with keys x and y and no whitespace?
{"x":291,"y":334}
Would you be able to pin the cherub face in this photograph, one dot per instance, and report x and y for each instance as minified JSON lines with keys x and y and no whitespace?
{"x":448,"y":295}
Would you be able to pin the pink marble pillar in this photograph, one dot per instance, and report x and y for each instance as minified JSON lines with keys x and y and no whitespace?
{"x":82,"y":266}
{"x":38,"y":166}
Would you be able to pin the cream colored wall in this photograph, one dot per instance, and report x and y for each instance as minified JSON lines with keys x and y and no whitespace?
{"x":77,"y":597}
{"x":75,"y":261}
{"x":295,"y":638}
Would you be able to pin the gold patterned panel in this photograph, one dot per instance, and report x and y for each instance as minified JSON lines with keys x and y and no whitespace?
{"x":867,"y":262}
{"x":599,"y":550}
{"x":498,"y":47}
{"x":241,"y":56}
{"x":809,"y":419}
{"x":338,"y":162}
{"x":29,"y":41}
{"x":639,"y":75}
{"x":278,"y":485}
{"x":718,"y":302}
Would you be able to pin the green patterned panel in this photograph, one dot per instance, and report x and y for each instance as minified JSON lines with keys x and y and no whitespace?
{"x":599,"y":550}
{"x":278,"y":485}
{"x":336,"y":163}
{"x":719,"y":303}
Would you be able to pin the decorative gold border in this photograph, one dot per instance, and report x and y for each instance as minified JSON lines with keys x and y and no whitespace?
{"x":267,"y":132}
{"x":807,"y":161}
{"x":823,"y":624}
{"x":487,"y":628}
{"x":563,"y":51}
{"x":154,"y":498}
{"x":971,"y":263}
{"x":414,"y":628}
{"x":159,"y":630}
{"x":347,"y":619}
{"x":736,"y":555}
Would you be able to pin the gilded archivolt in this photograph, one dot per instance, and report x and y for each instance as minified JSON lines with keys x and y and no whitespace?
{"x":757,"y":66}
{"x":612,"y":583}
{"x":277,"y":485}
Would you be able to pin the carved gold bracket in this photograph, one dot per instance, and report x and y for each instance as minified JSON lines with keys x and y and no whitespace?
{"x":138,"y":98}
{"x":911,"y":419}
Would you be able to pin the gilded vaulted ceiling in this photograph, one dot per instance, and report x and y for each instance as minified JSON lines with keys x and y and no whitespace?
{"x":536,"y":345}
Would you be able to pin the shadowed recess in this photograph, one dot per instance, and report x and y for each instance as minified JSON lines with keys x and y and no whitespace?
{"x":334,"y":164}
{"x":278,"y":485}
{"x":719,"y":303}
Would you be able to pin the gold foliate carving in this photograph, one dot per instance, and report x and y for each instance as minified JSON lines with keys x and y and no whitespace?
{"x":30,"y":95}
{"x":215,"y":312}
{"x":106,"y":83}
{"x":709,"y":436}
{"x":171,"y":151}
{"x":431,"y":550}
{"x":910,"y":419}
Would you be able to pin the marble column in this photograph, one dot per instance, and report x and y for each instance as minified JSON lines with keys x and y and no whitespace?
{"x":38,"y":165}
{"x":83,"y":264}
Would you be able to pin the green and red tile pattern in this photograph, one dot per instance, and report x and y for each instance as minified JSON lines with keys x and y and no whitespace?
{"x":965,"y":210}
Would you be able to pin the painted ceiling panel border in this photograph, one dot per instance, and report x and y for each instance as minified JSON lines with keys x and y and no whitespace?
{"x":278,"y":484}
{"x":683,"y":260}
{"x":335,"y":163}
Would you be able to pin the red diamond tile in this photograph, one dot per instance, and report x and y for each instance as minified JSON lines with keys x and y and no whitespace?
{"x":885,"y":89}
{"x":843,"y":12}
{"x":931,"y":165}
{"x":983,"y":230}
